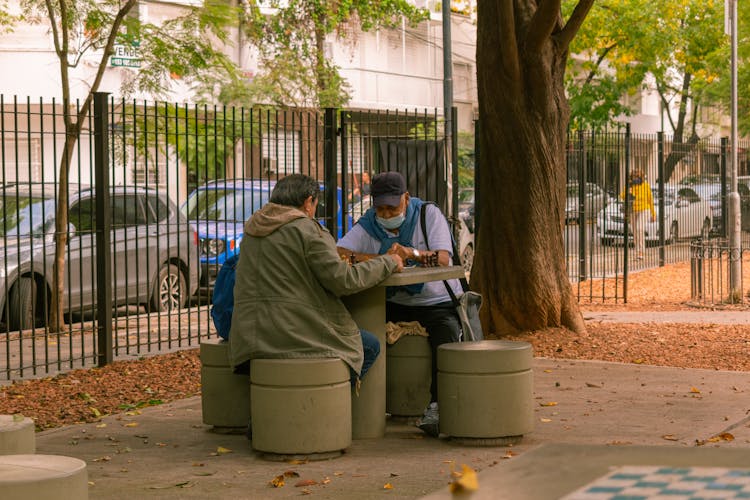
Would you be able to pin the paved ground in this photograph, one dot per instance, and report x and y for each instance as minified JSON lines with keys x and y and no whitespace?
{"x":166,"y":452}
{"x":707,"y":316}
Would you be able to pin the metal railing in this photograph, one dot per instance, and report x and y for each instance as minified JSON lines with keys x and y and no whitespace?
{"x":158,"y":194}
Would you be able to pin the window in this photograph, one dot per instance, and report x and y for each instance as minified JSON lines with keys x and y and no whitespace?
{"x":158,"y":210}
{"x":83,"y":215}
{"x":281,"y":152}
{"x":22,"y":161}
{"x":127,"y":210}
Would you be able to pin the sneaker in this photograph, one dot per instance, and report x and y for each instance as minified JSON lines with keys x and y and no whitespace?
{"x":429,"y":423}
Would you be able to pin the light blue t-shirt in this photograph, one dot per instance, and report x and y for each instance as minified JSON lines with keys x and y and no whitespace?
{"x":438,"y":233}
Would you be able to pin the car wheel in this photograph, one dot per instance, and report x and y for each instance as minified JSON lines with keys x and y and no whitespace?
{"x":170,"y":291}
{"x":467,"y":258}
{"x":21,"y":304}
{"x":674,"y":233}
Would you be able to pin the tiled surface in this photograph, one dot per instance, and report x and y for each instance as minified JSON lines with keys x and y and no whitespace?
{"x":667,"y":483}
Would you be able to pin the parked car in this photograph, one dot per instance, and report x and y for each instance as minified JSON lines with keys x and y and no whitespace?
{"x":218,"y":210}
{"x":154,"y":260}
{"x":595,"y":199}
{"x":466,"y":238}
{"x":686,"y":214}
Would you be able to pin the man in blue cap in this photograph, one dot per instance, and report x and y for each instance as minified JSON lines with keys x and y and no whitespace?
{"x":393,"y":225}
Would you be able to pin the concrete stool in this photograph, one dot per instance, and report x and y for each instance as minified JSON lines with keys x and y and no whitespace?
{"x":225,"y":395}
{"x":485,"y":391}
{"x":43,"y":477}
{"x":301,"y":408}
{"x":17,"y":435}
{"x":408,"y":374}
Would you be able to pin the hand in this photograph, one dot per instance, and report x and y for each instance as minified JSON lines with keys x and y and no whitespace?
{"x":402,"y":251}
{"x":398,"y":260}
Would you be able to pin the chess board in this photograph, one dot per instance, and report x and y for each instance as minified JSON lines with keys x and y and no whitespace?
{"x":667,"y":483}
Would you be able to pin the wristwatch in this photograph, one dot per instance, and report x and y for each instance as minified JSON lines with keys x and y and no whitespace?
{"x":415,"y":253}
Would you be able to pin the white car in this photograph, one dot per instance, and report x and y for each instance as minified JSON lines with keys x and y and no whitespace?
{"x":686,"y":214}
{"x":594,"y":200}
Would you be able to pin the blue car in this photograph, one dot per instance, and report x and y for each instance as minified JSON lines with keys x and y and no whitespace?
{"x":218,"y":211}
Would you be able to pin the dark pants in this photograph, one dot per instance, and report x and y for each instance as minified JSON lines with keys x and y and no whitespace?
{"x":441,"y":322}
{"x":371,"y":349}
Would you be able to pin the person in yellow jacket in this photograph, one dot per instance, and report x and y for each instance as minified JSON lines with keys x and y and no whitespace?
{"x":640,"y":202}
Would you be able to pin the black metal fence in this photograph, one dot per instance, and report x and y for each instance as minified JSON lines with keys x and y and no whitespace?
{"x":689,"y":183}
{"x":156,"y":197}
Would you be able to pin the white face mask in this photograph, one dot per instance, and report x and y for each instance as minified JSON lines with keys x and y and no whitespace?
{"x":392,"y":223}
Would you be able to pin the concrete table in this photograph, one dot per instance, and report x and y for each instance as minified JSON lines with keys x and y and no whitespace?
{"x":368,"y":310}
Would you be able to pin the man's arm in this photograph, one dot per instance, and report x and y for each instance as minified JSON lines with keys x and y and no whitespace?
{"x":346,"y":254}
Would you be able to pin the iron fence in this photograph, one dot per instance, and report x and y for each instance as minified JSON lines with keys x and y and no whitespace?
{"x":689,"y":183}
{"x":155,"y":201}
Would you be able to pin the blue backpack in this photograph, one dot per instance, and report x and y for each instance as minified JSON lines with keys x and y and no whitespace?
{"x":223,"y":297}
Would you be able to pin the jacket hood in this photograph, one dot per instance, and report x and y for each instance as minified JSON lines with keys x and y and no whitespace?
{"x":271,"y":217}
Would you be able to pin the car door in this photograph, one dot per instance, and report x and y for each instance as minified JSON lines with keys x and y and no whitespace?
{"x":689,"y":211}
{"x":80,"y":255}
{"x":131,"y":269}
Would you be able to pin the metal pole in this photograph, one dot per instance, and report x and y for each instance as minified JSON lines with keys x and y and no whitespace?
{"x":330,"y":174}
{"x":735,"y":262}
{"x":103,"y":227}
{"x":447,"y":72}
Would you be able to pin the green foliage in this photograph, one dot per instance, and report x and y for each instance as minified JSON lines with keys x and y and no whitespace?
{"x":466,"y":159}
{"x":679,"y":43}
{"x":186,"y":47}
{"x":295,"y":70}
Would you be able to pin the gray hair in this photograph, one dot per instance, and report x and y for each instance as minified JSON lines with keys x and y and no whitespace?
{"x":293,"y":190}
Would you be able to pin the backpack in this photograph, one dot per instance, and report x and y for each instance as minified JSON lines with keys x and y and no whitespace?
{"x":223,"y":297}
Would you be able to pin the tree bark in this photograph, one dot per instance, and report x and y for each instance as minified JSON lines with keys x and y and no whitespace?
{"x":520,"y":265}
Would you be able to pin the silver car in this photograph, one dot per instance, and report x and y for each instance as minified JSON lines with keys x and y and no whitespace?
{"x":154,"y":252}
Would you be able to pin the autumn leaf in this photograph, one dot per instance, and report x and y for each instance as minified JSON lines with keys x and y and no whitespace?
{"x":222,"y":451}
{"x":670,"y":437}
{"x":467,"y":482}
{"x":305,"y":482}
{"x":18,"y":417}
{"x":387,"y":486}
{"x":724,"y":436}
{"x":545,"y":420}
{"x":131,"y":424}
{"x":695,"y":390}
{"x":549,"y":403}
{"x":277,"y":482}
{"x":291,"y":473}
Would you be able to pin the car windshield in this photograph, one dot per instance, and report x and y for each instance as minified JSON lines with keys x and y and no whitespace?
{"x":228,"y":204}
{"x":668,"y":196}
{"x":23,"y":215}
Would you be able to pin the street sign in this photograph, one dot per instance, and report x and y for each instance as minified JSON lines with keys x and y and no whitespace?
{"x":128,"y":56}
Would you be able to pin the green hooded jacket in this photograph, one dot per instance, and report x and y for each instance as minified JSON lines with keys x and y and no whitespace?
{"x":286,"y":294}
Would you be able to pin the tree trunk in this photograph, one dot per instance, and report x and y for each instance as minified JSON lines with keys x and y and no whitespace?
{"x":520,"y":265}
{"x":61,"y":229}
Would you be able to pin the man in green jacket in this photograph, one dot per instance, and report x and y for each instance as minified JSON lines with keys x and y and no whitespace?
{"x":288,"y":283}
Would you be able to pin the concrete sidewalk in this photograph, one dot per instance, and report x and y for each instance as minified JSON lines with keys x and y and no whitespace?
{"x":721,"y":317}
{"x":166,"y":452}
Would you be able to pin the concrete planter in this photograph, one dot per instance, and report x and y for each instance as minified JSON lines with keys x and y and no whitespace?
{"x":485,"y":389}
{"x":17,"y":436}
{"x":408,"y":376}
{"x":43,"y":477}
{"x":225,"y":396}
{"x":301,"y":406}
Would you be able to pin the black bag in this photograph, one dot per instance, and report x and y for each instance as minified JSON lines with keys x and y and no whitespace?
{"x":468,"y":305}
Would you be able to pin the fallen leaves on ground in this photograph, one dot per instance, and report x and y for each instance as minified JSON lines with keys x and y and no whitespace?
{"x":66,"y":398}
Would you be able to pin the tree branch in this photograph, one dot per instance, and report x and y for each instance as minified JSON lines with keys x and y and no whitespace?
{"x":665,"y":103}
{"x":543,"y":23}
{"x":53,"y":24}
{"x":574,"y":23}
{"x":116,"y":23}
{"x":599,"y":61}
